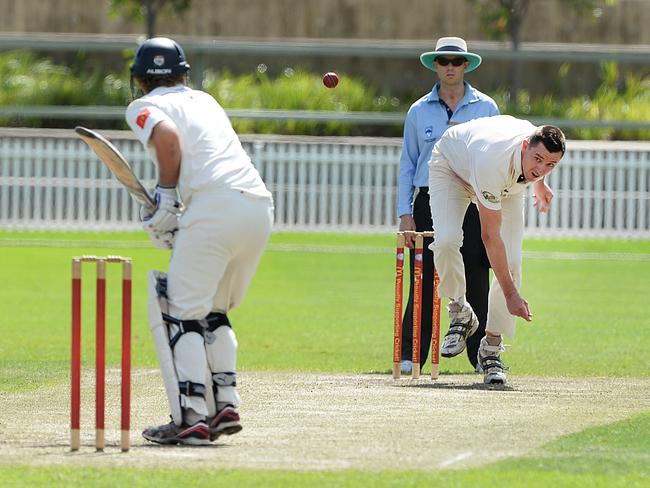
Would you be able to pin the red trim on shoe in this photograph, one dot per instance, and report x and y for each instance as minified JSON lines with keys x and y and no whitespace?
{"x":226,"y":422}
{"x":199,"y":430}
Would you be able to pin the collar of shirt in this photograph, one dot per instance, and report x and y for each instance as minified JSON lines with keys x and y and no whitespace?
{"x":163,"y":90}
{"x":517,"y":166}
{"x":516,"y":182}
{"x":470,"y":95}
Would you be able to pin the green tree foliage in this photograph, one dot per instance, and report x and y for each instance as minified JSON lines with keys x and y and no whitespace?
{"x":28,"y":80}
{"x":618,"y":98}
{"x":148,"y":10}
{"x":297,"y":90}
{"x":503,"y":19}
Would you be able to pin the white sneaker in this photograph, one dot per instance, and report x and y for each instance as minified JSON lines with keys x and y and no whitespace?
{"x":462,"y":324}
{"x":406,"y":366}
{"x":490,"y":361}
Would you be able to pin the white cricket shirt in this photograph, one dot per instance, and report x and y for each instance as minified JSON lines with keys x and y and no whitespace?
{"x":486,"y":153}
{"x":212,"y":155}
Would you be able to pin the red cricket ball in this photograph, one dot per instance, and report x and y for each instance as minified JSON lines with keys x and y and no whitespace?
{"x":331,"y":79}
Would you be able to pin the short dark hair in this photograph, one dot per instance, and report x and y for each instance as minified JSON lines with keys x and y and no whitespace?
{"x":150,"y":82}
{"x":552,"y":138}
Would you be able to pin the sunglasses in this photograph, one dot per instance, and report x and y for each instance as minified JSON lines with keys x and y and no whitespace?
{"x":454,"y":61}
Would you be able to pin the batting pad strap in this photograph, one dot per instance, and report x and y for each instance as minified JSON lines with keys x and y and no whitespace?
{"x":228,"y":378}
{"x":190,"y":389}
{"x":184,"y":326}
{"x":216,"y":320}
{"x":161,"y":286}
{"x":212,"y":322}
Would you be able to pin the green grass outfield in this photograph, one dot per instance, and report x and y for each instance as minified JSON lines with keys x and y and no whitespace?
{"x":323,"y":303}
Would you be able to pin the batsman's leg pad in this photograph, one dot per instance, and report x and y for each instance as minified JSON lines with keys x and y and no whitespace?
{"x":222,"y":360}
{"x":228,"y":378}
{"x":190,"y":362}
{"x":158,"y":304}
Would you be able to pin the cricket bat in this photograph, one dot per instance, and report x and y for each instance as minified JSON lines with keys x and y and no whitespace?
{"x":118,"y":165}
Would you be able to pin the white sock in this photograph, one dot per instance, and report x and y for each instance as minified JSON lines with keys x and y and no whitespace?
{"x":491,"y":338}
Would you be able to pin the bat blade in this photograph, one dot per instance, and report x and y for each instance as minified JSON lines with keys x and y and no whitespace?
{"x":117,"y":164}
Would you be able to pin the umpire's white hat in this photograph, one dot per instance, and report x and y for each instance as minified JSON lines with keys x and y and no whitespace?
{"x":451,"y":46}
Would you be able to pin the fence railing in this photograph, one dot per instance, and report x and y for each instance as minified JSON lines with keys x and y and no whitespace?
{"x":107,"y":112}
{"x":49,"y":179}
{"x":198,"y":47}
{"x":365,"y":48}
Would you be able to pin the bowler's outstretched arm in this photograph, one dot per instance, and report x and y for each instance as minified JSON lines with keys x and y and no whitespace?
{"x":496,"y":250}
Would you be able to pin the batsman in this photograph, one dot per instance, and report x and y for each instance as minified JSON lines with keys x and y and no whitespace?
{"x":215,"y":213}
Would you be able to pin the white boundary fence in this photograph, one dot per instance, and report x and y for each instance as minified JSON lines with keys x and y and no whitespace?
{"x":49,"y":179}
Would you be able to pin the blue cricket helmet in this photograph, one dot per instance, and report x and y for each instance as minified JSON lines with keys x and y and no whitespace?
{"x":159,"y":56}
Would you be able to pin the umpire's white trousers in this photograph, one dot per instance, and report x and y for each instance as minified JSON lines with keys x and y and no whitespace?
{"x":449,"y":198}
{"x":220,"y":242}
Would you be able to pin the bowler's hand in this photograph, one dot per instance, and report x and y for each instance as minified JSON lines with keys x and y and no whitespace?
{"x":543,"y":196}
{"x":407,"y":223}
{"x":518,"y":306}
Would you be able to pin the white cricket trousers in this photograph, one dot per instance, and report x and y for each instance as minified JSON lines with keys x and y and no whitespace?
{"x":220,"y":242}
{"x":449,"y":197}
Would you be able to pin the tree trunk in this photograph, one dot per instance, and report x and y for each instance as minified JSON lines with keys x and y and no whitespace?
{"x":518,"y":10}
{"x":515,"y":66}
{"x":152,"y":7}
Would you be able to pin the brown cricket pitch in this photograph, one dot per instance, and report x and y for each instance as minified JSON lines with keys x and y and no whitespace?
{"x":310,"y":421}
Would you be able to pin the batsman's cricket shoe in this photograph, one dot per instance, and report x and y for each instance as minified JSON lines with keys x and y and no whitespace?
{"x":226,"y":422}
{"x":489,"y":360}
{"x":462,"y":324}
{"x":197,"y":434}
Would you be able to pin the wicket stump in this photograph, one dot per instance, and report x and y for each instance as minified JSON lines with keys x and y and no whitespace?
{"x":417,"y":308}
{"x":100,"y":351}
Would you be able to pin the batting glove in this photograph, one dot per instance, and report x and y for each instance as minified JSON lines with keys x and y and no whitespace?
{"x":163,"y":241}
{"x":168,"y":210}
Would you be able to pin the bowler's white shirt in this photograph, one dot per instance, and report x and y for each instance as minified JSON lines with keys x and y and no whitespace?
{"x":212,"y":155}
{"x":486,"y":154}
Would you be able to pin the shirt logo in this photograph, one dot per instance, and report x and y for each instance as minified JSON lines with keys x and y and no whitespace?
{"x":428,"y":132}
{"x":142,"y":117}
{"x":489,"y":197}
{"x":159,"y":60}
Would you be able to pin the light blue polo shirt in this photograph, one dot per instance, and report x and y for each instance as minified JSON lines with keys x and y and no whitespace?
{"x":426,"y":121}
